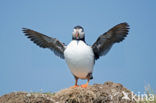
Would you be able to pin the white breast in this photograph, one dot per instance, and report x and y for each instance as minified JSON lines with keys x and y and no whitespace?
{"x":80,"y":58}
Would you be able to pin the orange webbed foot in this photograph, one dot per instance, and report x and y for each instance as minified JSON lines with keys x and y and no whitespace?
{"x":84,"y":85}
{"x":74,"y":86}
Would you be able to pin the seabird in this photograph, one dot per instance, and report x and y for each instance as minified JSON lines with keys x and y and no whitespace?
{"x":79,"y":56}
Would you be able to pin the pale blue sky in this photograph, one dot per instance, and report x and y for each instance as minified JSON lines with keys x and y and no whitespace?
{"x":26,"y":67}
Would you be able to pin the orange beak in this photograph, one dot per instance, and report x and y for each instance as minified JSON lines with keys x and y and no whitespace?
{"x":77,"y":34}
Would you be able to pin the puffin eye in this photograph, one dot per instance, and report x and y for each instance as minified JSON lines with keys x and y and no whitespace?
{"x":80,"y":30}
{"x":74,"y":30}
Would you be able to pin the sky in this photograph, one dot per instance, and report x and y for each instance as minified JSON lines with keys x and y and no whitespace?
{"x":26,"y":67}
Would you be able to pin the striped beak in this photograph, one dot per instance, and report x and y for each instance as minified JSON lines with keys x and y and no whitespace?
{"x":77,"y":35}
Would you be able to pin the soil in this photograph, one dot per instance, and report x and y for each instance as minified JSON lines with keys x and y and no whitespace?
{"x":108,"y":92}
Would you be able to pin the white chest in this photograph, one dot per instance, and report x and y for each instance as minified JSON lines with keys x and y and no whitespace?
{"x":80,"y":58}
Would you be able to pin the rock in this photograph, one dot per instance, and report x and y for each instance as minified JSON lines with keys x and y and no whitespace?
{"x":108,"y":92}
{"x":23,"y":97}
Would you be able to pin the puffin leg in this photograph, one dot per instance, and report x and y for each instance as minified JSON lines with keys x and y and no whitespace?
{"x":76,"y":80}
{"x":85,"y":85}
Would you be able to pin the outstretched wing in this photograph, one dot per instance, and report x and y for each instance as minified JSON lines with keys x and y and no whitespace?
{"x":45,"y":42}
{"x":105,"y":41}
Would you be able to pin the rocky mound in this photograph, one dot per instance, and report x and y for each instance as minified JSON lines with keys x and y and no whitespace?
{"x":108,"y":92}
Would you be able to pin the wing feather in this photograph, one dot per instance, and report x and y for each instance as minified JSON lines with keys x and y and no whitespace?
{"x":45,"y":42}
{"x":105,"y":41}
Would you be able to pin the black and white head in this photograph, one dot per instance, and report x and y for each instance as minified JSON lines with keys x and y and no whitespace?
{"x":78,"y":33}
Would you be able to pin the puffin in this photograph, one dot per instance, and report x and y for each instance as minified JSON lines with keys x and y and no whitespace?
{"x":79,"y":56}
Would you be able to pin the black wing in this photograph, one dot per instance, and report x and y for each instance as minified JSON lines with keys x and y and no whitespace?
{"x":46,"y":42}
{"x":105,"y":41}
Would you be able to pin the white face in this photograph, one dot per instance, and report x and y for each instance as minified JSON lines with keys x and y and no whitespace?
{"x":78,"y":33}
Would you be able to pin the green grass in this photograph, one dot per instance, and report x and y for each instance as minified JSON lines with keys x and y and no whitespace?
{"x":49,"y":93}
{"x":150,"y":94}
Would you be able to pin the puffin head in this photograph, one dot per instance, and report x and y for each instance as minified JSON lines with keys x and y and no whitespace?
{"x":78,"y":33}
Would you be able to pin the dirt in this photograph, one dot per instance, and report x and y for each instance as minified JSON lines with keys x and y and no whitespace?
{"x":108,"y":92}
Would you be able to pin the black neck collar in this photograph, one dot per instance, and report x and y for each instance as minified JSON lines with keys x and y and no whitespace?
{"x":83,"y":39}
